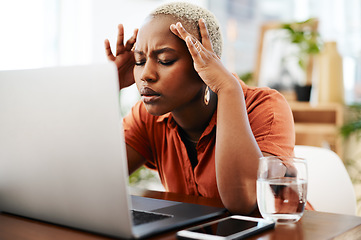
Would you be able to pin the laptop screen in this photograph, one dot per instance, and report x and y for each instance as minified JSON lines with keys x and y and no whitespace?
{"x":61,"y":143}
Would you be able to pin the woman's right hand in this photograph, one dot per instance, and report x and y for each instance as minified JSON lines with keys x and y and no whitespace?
{"x":124,"y":57}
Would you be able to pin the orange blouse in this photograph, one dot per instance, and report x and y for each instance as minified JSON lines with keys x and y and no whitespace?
{"x":157,"y":139}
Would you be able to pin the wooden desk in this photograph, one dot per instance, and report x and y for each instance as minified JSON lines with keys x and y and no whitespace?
{"x":313,"y":225}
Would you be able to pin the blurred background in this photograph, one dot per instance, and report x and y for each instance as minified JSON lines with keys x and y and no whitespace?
{"x":42,"y":33}
{"x":46,"y":33}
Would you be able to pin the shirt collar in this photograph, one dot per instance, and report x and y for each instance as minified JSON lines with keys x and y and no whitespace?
{"x":168,"y":118}
{"x":163,"y":117}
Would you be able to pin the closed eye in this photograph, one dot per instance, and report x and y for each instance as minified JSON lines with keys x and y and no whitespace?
{"x":166,"y":63}
{"x":140,"y":63}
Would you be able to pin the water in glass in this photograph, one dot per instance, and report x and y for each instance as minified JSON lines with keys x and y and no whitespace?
{"x":283,"y":199}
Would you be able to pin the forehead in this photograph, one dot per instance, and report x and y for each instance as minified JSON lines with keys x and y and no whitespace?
{"x":156,"y":25}
{"x":156,"y":31}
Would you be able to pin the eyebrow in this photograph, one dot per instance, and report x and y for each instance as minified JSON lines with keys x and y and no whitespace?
{"x":157,"y":51}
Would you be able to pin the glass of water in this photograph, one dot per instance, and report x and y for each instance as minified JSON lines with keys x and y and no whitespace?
{"x":282,"y":188}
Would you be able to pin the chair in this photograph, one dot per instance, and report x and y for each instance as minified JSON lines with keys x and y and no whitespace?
{"x":329,"y":186}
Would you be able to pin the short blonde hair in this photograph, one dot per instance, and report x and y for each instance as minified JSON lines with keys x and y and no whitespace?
{"x":189,"y":14}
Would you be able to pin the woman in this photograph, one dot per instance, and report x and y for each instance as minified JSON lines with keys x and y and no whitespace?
{"x":199,"y":126}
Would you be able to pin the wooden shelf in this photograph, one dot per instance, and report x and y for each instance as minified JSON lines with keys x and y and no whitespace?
{"x":316,"y":128}
{"x":318,"y":125}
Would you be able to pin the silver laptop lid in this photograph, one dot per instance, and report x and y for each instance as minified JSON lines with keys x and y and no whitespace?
{"x":58,"y":125}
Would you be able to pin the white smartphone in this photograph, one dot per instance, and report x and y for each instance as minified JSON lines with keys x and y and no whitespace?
{"x":233,"y":227}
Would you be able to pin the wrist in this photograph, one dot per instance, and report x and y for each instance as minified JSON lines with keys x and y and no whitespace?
{"x":230,"y":86}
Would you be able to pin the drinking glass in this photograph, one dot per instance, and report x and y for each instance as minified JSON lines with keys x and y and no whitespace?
{"x":282,"y":188}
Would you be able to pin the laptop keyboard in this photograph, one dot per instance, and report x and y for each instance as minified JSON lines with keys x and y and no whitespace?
{"x":141,"y":217}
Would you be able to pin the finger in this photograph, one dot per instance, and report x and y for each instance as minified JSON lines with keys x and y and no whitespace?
{"x":195,"y":52}
{"x":184,"y":34}
{"x":120,"y":40}
{"x":108,"y":50}
{"x":206,"y":42}
{"x":174,"y":30}
{"x":130,"y":43}
{"x":198,"y":46}
{"x":181,"y":31}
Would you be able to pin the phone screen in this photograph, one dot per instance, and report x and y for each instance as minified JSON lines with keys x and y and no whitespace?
{"x":227,"y":227}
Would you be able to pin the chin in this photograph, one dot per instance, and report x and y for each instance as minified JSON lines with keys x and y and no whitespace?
{"x":155,"y":111}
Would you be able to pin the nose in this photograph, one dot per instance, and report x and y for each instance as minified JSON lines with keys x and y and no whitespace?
{"x":149,"y":73}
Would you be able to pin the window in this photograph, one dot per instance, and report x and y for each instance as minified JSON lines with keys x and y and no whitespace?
{"x":339,"y":21}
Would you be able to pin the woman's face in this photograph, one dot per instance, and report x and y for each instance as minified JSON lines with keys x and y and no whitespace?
{"x":164,"y":72}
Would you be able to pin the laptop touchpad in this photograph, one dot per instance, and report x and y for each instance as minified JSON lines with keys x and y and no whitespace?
{"x":149,"y":204}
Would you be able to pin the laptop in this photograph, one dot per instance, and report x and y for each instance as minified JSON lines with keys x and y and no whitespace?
{"x":63,"y":157}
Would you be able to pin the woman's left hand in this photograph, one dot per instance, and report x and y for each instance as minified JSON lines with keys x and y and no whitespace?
{"x":236,"y":162}
{"x":206,"y":62}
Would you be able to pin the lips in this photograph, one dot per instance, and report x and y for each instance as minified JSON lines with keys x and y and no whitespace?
{"x":145,"y":91}
{"x":148,"y":95}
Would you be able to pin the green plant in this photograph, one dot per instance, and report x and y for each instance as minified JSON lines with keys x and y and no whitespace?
{"x":246,"y":77}
{"x":141,"y":174}
{"x":145,"y":178}
{"x":307,"y":38}
{"x":353,"y":125}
